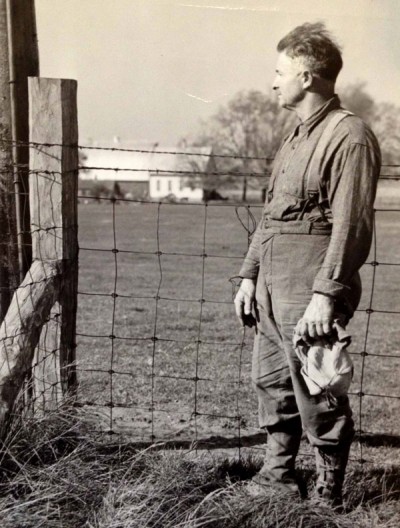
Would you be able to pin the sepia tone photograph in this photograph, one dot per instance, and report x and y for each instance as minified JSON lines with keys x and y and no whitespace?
{"x":199,"y":264}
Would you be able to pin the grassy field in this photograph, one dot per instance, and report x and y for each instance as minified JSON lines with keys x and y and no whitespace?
{"x":185,"y":385}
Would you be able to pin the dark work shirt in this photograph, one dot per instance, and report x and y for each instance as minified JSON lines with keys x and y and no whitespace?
{"x":348,"y":174}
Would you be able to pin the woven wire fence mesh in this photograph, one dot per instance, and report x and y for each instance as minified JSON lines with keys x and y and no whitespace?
{"x":161,"y":357}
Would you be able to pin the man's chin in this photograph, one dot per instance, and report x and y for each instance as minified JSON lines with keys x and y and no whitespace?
{"x":281,"y":102}
{"x":286,"y":106}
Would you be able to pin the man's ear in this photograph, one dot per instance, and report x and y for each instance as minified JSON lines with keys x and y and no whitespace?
{"x":307,"y":79}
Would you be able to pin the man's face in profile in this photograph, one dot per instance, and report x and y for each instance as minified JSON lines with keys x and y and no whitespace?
{"x":288,"y":83}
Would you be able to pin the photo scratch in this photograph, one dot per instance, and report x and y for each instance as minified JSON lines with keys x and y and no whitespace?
{"x":230,"y":8}
{"x":198,"y":98}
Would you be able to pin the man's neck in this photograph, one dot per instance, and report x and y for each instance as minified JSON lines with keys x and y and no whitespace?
{"x":310,"y":104}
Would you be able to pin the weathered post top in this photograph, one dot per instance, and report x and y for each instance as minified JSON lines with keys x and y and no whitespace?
{"x":53,"y":121}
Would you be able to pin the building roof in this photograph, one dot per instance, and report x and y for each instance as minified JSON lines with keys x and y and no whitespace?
{"x":132,"y":161}
{"x":178,"y":160}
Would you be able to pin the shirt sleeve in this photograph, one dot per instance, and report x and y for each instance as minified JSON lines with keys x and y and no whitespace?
{"x":351,"y":192}
{"x":251,"y":263}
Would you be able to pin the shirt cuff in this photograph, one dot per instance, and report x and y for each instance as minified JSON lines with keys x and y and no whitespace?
{"x":249,"y":271}
{"x":330,"y":287}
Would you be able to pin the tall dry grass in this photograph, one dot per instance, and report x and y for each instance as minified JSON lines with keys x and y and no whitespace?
{"x":54,"y":473}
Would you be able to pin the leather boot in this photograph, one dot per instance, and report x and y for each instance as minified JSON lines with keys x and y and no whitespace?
{"x":331,"y":468}
{"x":278,"y":470}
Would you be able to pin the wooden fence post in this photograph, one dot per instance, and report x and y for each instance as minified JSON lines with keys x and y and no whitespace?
{"x":9,"y":273}
{"x":23,"y":63}
{"x":43,"y":309}
{"x":19,"y":58}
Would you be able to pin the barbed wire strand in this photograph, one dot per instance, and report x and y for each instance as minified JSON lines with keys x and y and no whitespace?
{"x":268,"y":157}
{"x":173,"y":152}
{"x":194,"y":172}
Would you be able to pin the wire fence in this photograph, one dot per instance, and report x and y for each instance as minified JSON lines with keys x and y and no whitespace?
{"x":179,"y":374}
{"x":160,"y":356}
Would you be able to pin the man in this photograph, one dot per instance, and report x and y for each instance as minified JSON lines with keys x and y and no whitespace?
{"x":301,"y":270}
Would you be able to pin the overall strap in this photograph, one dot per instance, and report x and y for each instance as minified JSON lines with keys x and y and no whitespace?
{"x":313,"y":176}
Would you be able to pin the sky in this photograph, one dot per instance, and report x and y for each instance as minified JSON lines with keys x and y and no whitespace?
{"x":150,"y":70}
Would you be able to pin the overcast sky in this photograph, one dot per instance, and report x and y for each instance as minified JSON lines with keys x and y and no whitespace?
{"x":150,"y":69}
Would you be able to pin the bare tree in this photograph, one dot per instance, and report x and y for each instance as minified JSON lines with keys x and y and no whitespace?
{"x":354,"y":97}
{"x":248,"y":131}
{"x":386,"y":126}
{"x":384,"y":118}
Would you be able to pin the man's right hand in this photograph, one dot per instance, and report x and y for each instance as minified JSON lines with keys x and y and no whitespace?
{"x":244,"y":302}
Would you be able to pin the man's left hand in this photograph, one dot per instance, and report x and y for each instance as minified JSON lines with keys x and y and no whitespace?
{"x":318,"y":317}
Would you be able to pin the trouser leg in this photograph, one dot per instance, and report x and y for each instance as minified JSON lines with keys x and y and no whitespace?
{"x":326,"y":425}
{"x":284,"y":289}
{"x":330,"y":429}
{"x":278,"y":412}
{"x":296,"y":261}
{"x":331,"y":467}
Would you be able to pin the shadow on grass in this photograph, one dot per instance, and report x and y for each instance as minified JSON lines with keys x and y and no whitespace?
{"x":372,"y":486}
{"x":379,"y":440}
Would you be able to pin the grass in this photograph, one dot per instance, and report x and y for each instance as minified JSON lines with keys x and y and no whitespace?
{"x":54,"y":473}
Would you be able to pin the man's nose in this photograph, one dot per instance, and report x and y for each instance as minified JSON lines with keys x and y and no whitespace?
{"x":275,"y":84}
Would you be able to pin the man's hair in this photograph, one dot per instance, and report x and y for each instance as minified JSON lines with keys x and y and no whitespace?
{"x":314,"y":44}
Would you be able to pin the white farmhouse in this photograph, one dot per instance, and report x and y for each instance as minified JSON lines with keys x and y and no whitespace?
{"x":182,"y":175}
{"x":145,"y":171}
